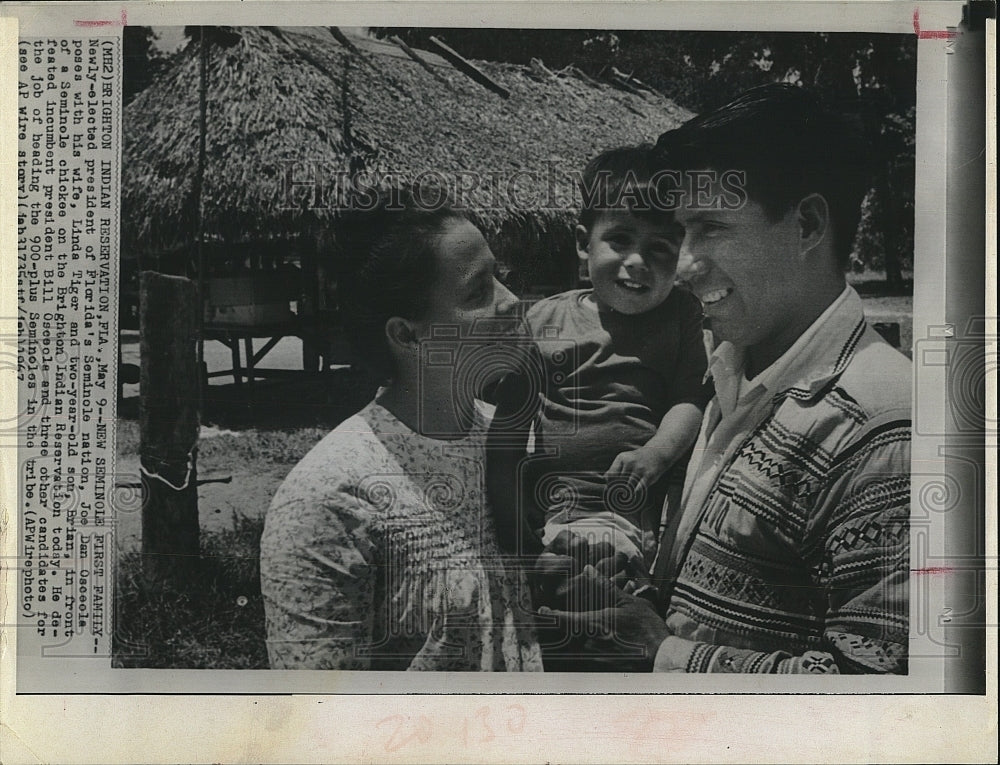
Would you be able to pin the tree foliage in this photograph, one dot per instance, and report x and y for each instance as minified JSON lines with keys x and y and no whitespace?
{"x":143,"y":61}
{"x":869,"y":76}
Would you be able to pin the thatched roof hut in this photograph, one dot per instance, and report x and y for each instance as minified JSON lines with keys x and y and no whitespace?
{"x":292,"y":112}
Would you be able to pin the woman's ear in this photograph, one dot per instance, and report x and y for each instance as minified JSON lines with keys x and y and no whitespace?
{"x":401,"y":334}
{"x":582,"y":241}
{"x":814,"y":222}
{"x":582,"y":250}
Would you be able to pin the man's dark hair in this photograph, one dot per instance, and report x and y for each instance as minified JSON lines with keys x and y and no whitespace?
{"x":384,"y":252}
{"x":620,"y":179}
{"x":789,"y":145}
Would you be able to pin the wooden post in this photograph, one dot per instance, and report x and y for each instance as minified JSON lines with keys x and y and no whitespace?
{"x":199,"y":182}
{"x":168,"y":425}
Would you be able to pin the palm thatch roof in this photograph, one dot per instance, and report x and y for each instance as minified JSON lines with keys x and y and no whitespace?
{"x":292,"y":112}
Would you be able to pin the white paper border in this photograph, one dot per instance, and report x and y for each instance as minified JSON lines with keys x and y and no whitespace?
{"x":566,"y":728}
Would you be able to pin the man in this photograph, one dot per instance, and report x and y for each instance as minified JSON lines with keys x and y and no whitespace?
{"x":791,"y":551}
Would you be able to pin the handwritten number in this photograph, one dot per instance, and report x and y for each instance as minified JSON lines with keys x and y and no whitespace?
{"x":425,"y":729}
{"x":392,"y":744}
{"x":405,"y":730}
{"x":399,"y":739}
{"x":483,"y":713}
{"x":516,"y":718}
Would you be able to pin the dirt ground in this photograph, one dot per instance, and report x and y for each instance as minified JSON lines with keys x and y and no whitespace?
{"x":248,"y":443}
{"x":253,"y":481}
{"x":254,"y":441}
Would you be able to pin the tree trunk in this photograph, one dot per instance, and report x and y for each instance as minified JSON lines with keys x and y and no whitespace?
{"x":168,"y":427}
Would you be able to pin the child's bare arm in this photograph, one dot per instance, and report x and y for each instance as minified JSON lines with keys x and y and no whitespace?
{"x":646,"y":465}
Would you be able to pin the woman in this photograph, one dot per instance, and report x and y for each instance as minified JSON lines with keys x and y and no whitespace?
{"x":378,"y":549}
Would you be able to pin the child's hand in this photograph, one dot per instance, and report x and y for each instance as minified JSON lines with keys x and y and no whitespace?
{"x":582,"y":548}
{"x":577,"y":573}
{"x":557,"y":587}
{"x":641,"y":467}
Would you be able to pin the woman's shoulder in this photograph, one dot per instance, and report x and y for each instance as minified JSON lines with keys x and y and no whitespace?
{"x":355,"y":437}
{"x":336,"y":466}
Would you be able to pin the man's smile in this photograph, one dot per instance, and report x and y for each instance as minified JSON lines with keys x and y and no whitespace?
{"x":715,"y":296}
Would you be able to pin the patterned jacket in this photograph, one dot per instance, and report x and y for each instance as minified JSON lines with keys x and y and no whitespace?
{"x":797,"y":560}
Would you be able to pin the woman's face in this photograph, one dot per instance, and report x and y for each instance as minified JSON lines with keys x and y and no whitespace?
{"x":472,"y":332}
{"x":467,"y":300}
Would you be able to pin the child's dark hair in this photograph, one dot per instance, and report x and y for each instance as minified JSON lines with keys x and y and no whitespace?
{"x":620,"y":179}
{"x":789,"y":145}
{"x":386,"y":266}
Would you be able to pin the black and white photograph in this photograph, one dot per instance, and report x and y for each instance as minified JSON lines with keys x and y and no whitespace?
{"x":621,"y":353}
{"x":708,"y":234}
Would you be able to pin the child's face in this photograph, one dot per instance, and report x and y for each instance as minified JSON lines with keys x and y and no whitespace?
{"x":631,"y":260}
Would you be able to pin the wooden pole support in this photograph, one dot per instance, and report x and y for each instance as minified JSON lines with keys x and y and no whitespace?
{"x":418,"y":58}
{"x":631,"y":81}
{"x":623,"y":84}
{"x":538,"y":66}
{"x":466,"y":67}
{"x":340,"y":37}
{"x":343,"y":40}
{"x":168,"y":426}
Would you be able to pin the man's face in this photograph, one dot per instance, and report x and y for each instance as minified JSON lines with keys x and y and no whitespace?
{"x":631,"y":260}
{"x":745,"y":269}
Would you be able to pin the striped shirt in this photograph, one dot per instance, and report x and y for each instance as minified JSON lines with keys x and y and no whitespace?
{"x":792,"y":553}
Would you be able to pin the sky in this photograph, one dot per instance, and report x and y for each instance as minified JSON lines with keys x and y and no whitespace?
{"x":168,"y":39}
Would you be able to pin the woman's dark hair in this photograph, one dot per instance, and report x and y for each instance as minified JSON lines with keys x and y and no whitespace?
{"x":384,"y":252}
{"x":618,"y":179}
{"x":789,"y":145}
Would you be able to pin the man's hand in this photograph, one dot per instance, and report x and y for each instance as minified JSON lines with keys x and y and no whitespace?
{"x":640,"y":468}
{"x":629,"y":630}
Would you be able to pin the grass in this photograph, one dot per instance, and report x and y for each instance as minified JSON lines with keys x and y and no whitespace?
{"x":213,"y":621}
{"x":215,"y":618}
{"x":872,"y":283}
{"x":274,"y":447}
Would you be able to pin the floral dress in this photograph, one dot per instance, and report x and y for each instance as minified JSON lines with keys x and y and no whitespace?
{"x":379,"y":553}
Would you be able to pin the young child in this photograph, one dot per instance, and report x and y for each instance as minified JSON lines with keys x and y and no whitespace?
{"x":624,"y":371}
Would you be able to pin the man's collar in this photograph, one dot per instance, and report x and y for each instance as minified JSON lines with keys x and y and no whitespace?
{"x":817,"y":356}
